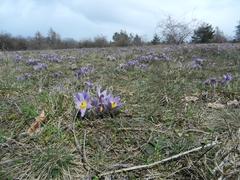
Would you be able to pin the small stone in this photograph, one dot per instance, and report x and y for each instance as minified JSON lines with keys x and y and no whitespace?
{"x":233,"y":103}
{"x":215,"y":105}
{"x":191,"y":98}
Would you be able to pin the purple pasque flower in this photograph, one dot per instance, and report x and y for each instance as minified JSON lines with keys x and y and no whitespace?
{"x":101,"y":94}
{"x":89,"y":84}
{"x":83,"y":71}
{"x":211,"y":82}
{"x":82,"y":102}
{"x":18,"y":58}
{"x":24,"y":77}
{"x":40,"y":67}
{"x":114,"y":103}
{"x":226,"y":78}
{"x":32,"y":62}
{"x":99,"y":106}
{"x":102,"y":100}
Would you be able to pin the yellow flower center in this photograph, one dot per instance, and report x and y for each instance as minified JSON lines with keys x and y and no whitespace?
{"x":83,"y":105}
{"x":113,"y":105}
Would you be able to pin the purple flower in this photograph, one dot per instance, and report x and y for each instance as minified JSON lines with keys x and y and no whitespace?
{"x":83,"y":71}
{"x":211,"y":82}
{"x":132,"y":63}
{"x":51,"y":57}
{"x":114,"y":103}
{"x":32,"y":62}
{"x":82,"y":102}
{"x":99,"y":106}
{"x":101,"y":102}
{"x":40,"y":67}
{"x":18,"y":58}
{"x":102,"y":98}
{"x":24,"y":77}
{"x":226,"y":78}
{"x":101,"y":94}
{"x":89,"y":84}
{"x":152,"y":57}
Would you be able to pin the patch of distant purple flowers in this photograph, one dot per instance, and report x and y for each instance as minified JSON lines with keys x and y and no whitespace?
{"x":102,"y":104}
{"x":152,"y":57}
{"x":18,"y":58}
{"x":140,"y":61}
{"x":83,"y":71}
{"x":40,"y":67}
{"x":226,"y":79}
{"x":24,"y":77}
{"x":51,"y":57}
{"x":32,"y":62}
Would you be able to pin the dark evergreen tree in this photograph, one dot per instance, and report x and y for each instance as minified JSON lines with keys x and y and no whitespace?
{"x":137,"y":40}
{"x":155,"y":40}
{"x":237,"y":36}
{"x":203,"y":34}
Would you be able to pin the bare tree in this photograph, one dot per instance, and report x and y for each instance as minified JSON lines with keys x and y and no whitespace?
{"x":173,"y":31}
{"x":100,"y":41}
{"x":219,"y":36}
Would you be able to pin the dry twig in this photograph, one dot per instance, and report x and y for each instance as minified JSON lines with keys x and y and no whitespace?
{"x":161,"y":161}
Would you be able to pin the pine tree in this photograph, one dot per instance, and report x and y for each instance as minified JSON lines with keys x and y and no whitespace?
{"x":203,"y":34}
{"x":156,"y":40}
{"x":237,"y":36}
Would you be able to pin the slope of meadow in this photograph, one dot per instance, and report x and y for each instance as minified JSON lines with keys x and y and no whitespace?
{"x":176,"y":98}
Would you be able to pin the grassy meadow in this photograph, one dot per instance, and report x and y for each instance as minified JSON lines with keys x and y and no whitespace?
{"x":170,"y":106}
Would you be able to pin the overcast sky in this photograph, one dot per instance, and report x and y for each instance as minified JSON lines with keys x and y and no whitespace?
{"x":82,"y":19}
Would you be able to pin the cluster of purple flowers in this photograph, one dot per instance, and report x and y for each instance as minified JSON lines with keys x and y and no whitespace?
{"x":130,"y":65}
{"x":32,"y":62}
{"x":24,"y":77}
{"x":219,"y":81}
{"x":40,"y":66}
{"x":36,"y":64}
{"x":69,"y":58}
{"x":153,"y":57}
{"x":18,"y":58}
{"x":140,"y":61}
{"x":83,"y":71}
{"x":51,"y":57}
{"x":103,"y":103}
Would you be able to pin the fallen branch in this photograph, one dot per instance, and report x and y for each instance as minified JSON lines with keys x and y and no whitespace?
{"x":161,"y":161}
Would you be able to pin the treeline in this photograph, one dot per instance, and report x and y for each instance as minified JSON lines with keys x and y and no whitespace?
{"x":170,"y":31}
{"x":54,"y":41}
{"x":51,"y":41}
